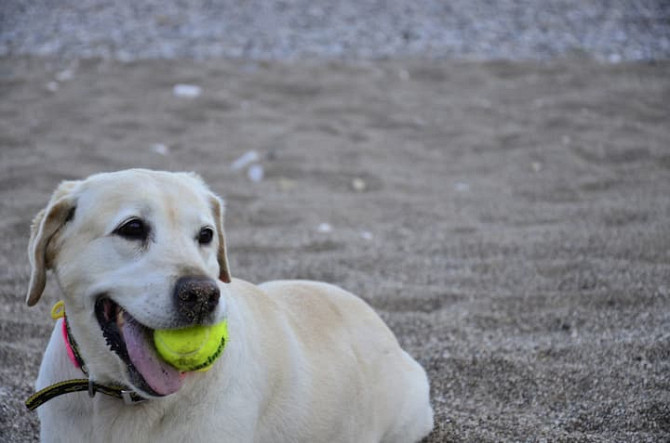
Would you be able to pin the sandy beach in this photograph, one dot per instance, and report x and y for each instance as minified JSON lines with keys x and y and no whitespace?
{"x":509,"y":220}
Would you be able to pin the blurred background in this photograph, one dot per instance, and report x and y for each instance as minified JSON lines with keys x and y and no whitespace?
{"x":493,"y":177}
{"x":612,"y":30}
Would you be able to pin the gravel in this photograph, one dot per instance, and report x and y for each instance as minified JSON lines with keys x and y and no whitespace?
{"x":607,"y":30}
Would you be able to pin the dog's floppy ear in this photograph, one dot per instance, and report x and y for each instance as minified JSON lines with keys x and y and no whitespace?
{"x":221,"y":255}
{"x":45,"y":225}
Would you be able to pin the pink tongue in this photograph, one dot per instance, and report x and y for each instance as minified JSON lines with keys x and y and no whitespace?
{"x":162,"y":377}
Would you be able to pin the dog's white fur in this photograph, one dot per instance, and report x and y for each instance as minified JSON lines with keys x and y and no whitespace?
{"x":306,"y":361}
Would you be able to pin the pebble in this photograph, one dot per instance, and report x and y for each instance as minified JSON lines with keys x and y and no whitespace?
{"x":324,"y":228}
{"x":462,"y":187}
{"x":255,"y":173}
{"x":52,"y":86}
{"x":65,"y":75}
{"x":186,"y":91}
{"x":358,"y":184}
{"x":245,"y":160}
{"x":286,"y":184}
{"x":160,"y":148}
{"x":366,"y":235}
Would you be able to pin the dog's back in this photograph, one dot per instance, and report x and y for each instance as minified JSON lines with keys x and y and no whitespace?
{"x":385,"y":390}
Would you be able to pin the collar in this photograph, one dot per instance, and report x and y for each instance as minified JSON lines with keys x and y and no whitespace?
{"x":70,"y":344}
{"x":79,"y":384}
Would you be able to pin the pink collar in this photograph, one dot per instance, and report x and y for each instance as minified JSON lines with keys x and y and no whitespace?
{"x":71,"y":346}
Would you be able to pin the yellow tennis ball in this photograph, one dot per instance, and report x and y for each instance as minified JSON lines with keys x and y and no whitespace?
{"x":195,"y":348}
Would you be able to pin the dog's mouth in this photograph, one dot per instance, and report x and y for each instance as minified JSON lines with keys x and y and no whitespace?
{"x":133,"y":343}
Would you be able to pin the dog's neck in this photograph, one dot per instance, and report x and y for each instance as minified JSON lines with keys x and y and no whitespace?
{"x":77,"y":385}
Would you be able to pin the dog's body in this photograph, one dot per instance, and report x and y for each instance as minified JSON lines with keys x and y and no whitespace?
{"x":305,"y":362}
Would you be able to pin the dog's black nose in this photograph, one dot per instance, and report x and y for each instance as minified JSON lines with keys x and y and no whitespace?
{"x":195,"y":298}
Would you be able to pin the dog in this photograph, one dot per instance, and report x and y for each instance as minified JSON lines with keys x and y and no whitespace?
{"x":139,"y":250}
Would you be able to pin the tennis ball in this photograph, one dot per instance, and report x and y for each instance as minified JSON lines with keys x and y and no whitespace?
{"x":195,"y":348}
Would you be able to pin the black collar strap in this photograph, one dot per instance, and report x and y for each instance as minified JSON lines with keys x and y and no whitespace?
{"x":78,"y":385}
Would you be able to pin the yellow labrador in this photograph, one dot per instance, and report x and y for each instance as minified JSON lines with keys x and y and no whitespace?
{"x":138,"y":250}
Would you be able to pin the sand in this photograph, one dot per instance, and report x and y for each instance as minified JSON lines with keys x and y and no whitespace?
{"x":510,"y":221}
{"x":607,"y":30}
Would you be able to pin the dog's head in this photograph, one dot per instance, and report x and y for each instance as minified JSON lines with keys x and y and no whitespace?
{"x":133,"y":251}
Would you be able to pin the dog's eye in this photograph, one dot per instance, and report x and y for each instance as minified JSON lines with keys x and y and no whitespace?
{"x":205,"y":236}
{"x":134,"y":229}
